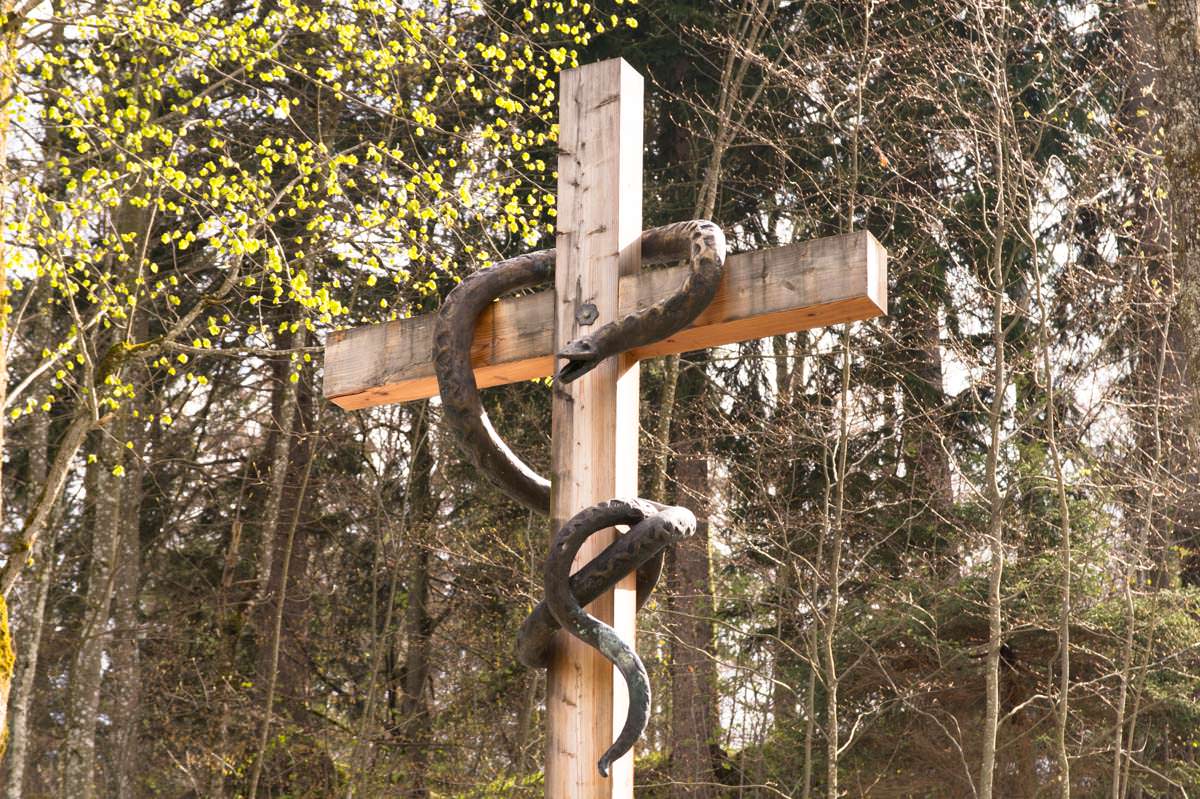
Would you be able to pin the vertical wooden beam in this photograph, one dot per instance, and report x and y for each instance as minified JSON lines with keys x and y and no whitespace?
{"x":595,"y":425}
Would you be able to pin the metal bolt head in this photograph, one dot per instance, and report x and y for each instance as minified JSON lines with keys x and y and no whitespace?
{"x":586,"y":314}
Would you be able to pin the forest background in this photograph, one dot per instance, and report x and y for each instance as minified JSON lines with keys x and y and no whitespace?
{"x":952,"y":552}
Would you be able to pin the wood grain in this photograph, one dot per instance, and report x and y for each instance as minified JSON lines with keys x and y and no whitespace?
{"x":593,"y":455}
{"x":764,"y":293}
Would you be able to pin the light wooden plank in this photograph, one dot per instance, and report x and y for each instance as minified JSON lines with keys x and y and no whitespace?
{"x":594,"y":430}
{"x":765,"y":293}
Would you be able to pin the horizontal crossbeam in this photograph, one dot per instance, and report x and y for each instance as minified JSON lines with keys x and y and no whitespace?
{"x":763,"y":293}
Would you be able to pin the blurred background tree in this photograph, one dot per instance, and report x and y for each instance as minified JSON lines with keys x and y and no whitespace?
{"x":950,"y":552}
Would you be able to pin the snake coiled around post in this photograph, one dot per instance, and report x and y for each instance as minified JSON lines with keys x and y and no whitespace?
{"x":652,"y":526}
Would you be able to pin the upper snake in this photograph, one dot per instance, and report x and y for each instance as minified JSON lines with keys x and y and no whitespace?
{"x":652,"y":526}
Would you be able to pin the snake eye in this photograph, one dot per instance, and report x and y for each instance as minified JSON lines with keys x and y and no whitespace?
{"x":580,"y":348}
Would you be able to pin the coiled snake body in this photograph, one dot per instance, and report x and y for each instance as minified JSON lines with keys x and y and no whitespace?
{"x":652,"y":526}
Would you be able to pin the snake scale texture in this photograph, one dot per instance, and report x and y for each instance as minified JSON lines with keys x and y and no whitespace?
{"x":652,"y":526}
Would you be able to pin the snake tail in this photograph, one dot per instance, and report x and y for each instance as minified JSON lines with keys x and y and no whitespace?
{"x":649,"y":522}
{"x":640,"y":550}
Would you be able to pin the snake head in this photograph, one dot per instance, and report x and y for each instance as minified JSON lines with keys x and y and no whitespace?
{"x":582,"y":357}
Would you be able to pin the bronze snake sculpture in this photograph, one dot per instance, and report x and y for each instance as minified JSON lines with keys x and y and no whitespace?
{"x":652,"y":526}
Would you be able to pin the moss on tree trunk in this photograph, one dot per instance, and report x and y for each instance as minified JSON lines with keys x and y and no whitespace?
{"x":7,"y":660}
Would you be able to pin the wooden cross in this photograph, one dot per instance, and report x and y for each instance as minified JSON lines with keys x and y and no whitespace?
{"x":594,"y":430}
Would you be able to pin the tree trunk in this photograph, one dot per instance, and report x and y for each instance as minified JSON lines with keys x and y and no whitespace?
{"x":228,"y":624}
{"x":21,"y":700}
{"x":1176,"y":30}
{"x":693,"y":669}
{"x":835,"y":534}
{"x":279,"y":449}
{"x":125,"y":670}
{"x":926,"y":456}
{"x":790,"y":365}
{"x":810,"y":713}
{"x":33,"y":616}
{"x":104,"y":495}
{"x":292,"y":524}
{"x":414,"y":713}
{"x":1141,"y":116}
{"x":9,"y":60}
{"x":785,"y":663}
{"x":281,"y":616}
{"x":996,"y":282}
{"x":126,"y":656}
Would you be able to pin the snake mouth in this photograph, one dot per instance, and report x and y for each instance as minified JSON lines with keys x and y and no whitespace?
{"x":576,"y":367}
{"x":582,"y":357}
